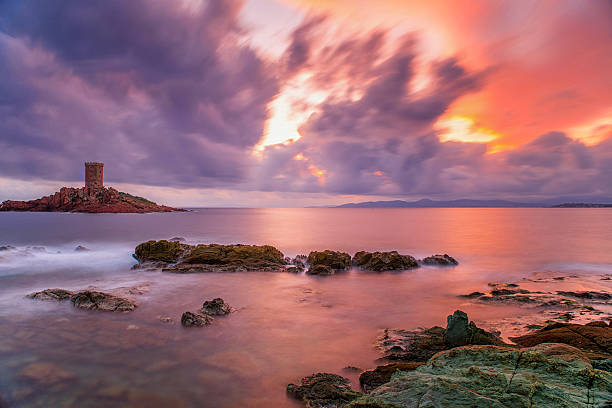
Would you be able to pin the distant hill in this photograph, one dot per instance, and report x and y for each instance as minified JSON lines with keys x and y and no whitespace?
{"x":468,"y":203}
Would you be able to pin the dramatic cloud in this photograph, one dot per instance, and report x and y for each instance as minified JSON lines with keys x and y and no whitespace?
{"x":161,"y":91}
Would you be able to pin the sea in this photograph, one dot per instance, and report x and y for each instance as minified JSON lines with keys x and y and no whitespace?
{"x":285,"y":326}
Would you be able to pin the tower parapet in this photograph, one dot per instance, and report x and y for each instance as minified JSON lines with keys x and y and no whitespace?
{"x":94,"y":179}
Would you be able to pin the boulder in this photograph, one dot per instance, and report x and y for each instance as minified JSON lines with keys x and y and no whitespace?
{"x":444,"y":260}
{"x":333,"y":260}
{"x":323,"y":390}
{"x":7,"y":248}
{"x":164,"y":251}
{"x":216,"y":307}
{"x":93,"y":300}
{"x":460,"y":332}
{"x":190,"y":319}
{"x":51,"y":294}
{"x":372,"y":379}
{"x":548,"y":375}
{"x":244,"y":255}
{"x":384,"y":261}
{"x":591,"y":339}
{"x":81,"y":248}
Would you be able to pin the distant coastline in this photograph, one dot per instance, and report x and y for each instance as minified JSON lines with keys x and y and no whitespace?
{"x":469,"y":203}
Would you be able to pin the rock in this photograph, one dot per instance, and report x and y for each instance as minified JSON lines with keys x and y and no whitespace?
{"x":598,"y":323}
{"x":473,"y":295}
{"x":51,"y":294}
{"x":81,"y":248}
{"x":177,"y":239}
{"x":165,"y":319}
{"x":384,"y":261}
{"x":460,"y":331}
{"x":591,"y":295}
{"x":164,"y":251}
{"x":352,"y":368}
{"x":320,"y":270}
{"x":588,"y":338}
{"x":93,"y":300}
{"x":216,"y":307}
{"x":420,"y":345}
{"x":333,"y":260}
{"x":372,"y":379}
{"x":323,"y":390}
{"x":440,"y":260}
{"x":548,"y":375}
{"x":190,"y":319}
{"x":604,"y":364}
{"x":45,"y":374}
{"x":294,"y":269}
{"x":102,"y":200}
{"x":7,"y":248}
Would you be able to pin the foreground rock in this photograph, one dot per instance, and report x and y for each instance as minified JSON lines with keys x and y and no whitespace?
{"x":372,"y":379}
{"x":384,"y":261}
{"x":593,"y":339}
{"x":174,"y":256}
{"x":87,"y":299}
{"x":327,"y":262}
{"x":216,"y":307}
{"x":548,"y":375}
{"x":323,"y":390}
{"x":87,"y":200}
{"x":420,"y":345}
{"x":443,"y":260}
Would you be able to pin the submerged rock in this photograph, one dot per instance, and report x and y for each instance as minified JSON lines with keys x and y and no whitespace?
{"x":440,"y":260}
{"x":51,"y":294}
{"x":190,"y":319}
{"x":216,"y":307}
{"x":372,"y":379}
{"x":93,"y":300}
{"x":384,"y":261}
{"x":327,"y":262}
{"x":590,"y":295}
{"x":592,"y":339}
{"x":549,"y":375}
{"x":323,"y":390}
{"x":87,"y":299}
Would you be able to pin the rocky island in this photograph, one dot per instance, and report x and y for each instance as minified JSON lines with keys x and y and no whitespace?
{"x":93,"y":198}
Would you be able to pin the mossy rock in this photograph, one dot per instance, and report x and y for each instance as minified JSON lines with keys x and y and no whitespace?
{"x":156,"y":251}
{"x":248,"y":255}
{"x":384,"y":261}
{"x":333,"y":259}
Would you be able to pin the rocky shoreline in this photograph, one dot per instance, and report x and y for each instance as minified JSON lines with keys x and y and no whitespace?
{"x":562,"y":365}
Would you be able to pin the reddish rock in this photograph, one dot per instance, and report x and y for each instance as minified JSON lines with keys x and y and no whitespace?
{"x":88,"y":200}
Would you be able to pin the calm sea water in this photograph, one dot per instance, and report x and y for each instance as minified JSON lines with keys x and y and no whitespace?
{"x":287,"y":326}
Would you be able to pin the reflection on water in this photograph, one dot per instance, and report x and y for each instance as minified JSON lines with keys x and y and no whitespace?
{"x":286,"y":326}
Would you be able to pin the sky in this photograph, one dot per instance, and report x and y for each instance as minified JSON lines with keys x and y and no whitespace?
{"x":291,"y":103}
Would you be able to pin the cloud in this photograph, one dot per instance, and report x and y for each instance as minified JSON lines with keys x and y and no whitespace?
{"x":163,"y":93}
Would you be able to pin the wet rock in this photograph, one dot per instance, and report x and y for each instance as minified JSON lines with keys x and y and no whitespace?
{"x":603,"y":364}
{"x":190,"y":319}
{"x":159,"y":251}
{"x":51,"y":294}
{"x":7,"y":248}
{"x":422,"y":344}
{"x":353,"y":369}
{"x":323,"y":390}
{"x":327,"y":262}
{"x":588,"y":338}
{"x":93,"y":300}
{"x":460,"y":332}
{"x":216,"y":307}
{"x":444,"y":260}
{"x":372,"y":379}
{"x":81,"y":248}
{"x":294,"y":269}
{"x":473,"y":295}
{"x":590,"y":295}
{"x":548,"y":375}
{"x":252,"y":255}
{"x":384,"y":261}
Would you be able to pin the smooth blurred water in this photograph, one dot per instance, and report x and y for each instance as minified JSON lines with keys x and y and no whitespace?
{"x":287,"y":326}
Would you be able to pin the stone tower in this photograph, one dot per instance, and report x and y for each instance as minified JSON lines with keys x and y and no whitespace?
{"x":93,"y":176}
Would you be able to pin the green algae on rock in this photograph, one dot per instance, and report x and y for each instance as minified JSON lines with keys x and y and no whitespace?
{"x":160,"y":251}
{"x":323,"y":390}
{"x":548,"y":375}
{"x":87,"y":299}
{"x":384,"y":261}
